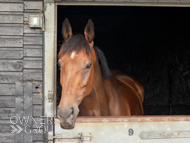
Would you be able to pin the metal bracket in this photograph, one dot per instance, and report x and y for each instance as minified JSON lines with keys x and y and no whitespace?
{"x":50,"y":97}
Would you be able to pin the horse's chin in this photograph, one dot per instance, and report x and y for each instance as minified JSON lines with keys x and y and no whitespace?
{"x":67,"y":127}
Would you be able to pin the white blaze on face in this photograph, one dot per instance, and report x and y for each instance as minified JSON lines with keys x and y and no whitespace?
{"x":73,"y":54}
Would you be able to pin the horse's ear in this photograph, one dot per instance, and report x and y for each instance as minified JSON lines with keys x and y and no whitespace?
{"x":89,"y":31}
{"x":66,"y":29}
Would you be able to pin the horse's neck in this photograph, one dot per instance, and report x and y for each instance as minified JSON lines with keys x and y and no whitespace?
{"x":96,"y":104}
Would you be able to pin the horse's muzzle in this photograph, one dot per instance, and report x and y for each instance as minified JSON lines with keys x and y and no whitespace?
{"x":67,"y":118}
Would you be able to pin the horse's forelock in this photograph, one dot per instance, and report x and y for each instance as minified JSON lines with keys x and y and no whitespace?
{"x":75,"y":43}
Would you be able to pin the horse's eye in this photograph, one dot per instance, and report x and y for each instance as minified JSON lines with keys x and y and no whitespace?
{"x":88,"y":65}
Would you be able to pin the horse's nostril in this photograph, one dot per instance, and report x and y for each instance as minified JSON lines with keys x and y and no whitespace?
{"x":72,"y":110}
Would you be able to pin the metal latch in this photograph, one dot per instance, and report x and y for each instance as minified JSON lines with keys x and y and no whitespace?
{"x":50,"y":97}
{"x":81,"y":137}
{"x":164,"y":134}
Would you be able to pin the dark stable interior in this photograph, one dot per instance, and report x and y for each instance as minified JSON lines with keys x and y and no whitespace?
{"x":150,"y":43}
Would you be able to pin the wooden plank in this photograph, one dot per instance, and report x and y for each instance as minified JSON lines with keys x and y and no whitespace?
{"x":37,"y":99}
{"x":10,"y":42}
{"x":38,"y":136}
{"x":33,"y":5}
{"x":19,"y":108}
{"x":11,"y":25}
{"x":37,"y":110}
{"x":7,"y":89}
{"x":7,"y":101}
{"x":7,"y":138}
{"x":27,"y":29}
{"x":6,"y":113}
{"x":11,"y":0}
{"x":5,"y":126}
{"x":37,"y":87}
{"x":33,"y":40}
{"x":10,"y":77}
{"x":11,"y":18}
{"x":11,"y":37}
{"x":32,"y":74}
{"x":11,"y":65}
{"x":12,"y":49}
{"x":11,"y":7}
{"x":11,"y":54}
{"x":11,"y":30}
{"x":32,"y":64}
{"x":28,"y":109}
{"x":33,"y":52}
{"x":32,"y":47}
{"x":32,"y":59}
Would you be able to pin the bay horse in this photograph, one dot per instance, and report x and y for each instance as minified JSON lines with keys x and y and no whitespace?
{"x":88,"y":86}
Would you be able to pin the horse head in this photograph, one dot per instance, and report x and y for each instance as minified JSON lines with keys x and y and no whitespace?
{"x":77,"y":60}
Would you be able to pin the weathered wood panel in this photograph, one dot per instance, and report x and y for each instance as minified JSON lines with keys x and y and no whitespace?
{"x":11,"y":25}
{"x":37,"y":136}
{"x":7,"y":138}
{"x":37,"y":99}
{"x":11,"y":7}
{"x":33,"y":5}
{"x":32,"y":47}
{"x":11,"y":42}
{"x":32,"y":74}
{"x":15,"y":54}
{"x":32,"y":64}
{"x":11,"y":30}
{"x":7,"y":101}
{"x":6,"y":113}
{"x":37,"y":110}
{"x":37,"y":87}
{"x":10,"y":77}
{"x":33,"y":52}
{"x":19,"y":108}
{"x":37,"y":122}
{"x":11,"y":65}
{"x":11,"y":0}
{"x":28,"y":108}
{"x":7,"y":89}
{"x":5,"y":126}
{"x":27,"y":29}
{"x":31,"y":40}
{"x":11,"y":18}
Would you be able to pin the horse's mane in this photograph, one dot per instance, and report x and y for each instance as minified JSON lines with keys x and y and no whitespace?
{"x":77,"y":43}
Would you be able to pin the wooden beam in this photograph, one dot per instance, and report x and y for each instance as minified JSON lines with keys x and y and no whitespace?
{"x":11,"y":18}
{"x":11,"y":65}
{"x":11,"y":42}
{"x":14,"y":54}
{"x":8,"y":89}
{"x":5,"y":30}
{"x":11,"y":7}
